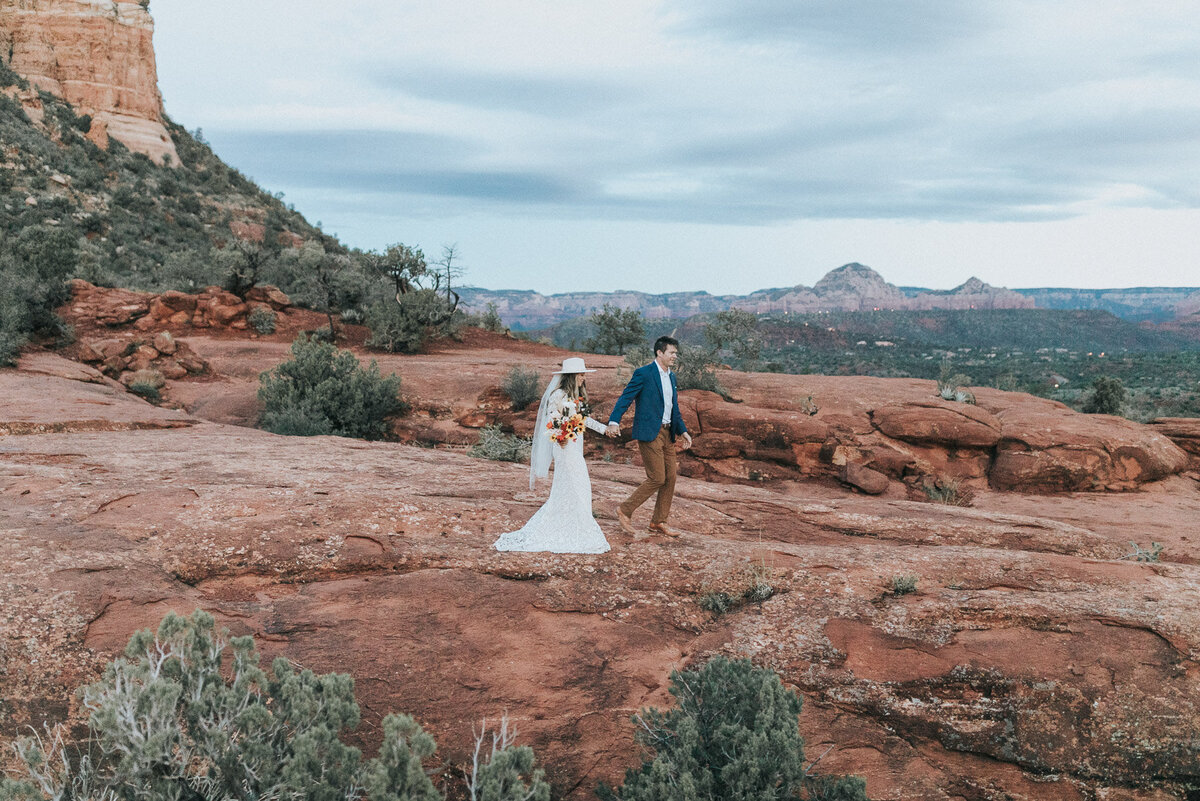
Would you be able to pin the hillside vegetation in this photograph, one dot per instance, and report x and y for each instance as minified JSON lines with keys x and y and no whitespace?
{"x":142,"y":226}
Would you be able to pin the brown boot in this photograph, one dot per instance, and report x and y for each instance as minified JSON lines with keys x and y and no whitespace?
{"x":626,"y":523}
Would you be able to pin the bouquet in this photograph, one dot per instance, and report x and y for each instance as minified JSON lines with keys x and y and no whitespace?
{"x":565,"y":424}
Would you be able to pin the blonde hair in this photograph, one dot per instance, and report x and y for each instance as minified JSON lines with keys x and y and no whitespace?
{"x":573,"y":386}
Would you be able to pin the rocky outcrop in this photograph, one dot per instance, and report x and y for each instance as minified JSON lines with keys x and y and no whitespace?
{"x":99,"y":57}
{"x":900,"y":429}
{"x":146,"y":311}
{"x":1184,"y":432}
{"x":124,"y":333}
{"x":1033,"y":660}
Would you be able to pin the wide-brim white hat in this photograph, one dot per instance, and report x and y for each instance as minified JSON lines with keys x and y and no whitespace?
{"x":573,"y":365}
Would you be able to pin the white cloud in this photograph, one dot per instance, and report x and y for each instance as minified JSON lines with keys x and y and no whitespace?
{"x":725,"y":118}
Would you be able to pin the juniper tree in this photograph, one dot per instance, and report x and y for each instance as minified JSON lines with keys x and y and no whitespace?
{"x":733,"y":734}
{"x":323,"y":390}
{"x":616,"y":330}
{"x":1108,"y":396}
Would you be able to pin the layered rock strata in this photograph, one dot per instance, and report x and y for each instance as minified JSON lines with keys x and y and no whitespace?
{"x":98,"y":56}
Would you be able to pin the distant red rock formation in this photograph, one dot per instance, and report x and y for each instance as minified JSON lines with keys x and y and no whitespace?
{"x":99,"y":57}
{"x":851,"y":287}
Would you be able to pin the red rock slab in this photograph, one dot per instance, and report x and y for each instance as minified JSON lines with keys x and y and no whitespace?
{"x":942,"y":422}
{"x":57,"y":395}
{"x":757,"y":425}
{"x":1183,"y":431}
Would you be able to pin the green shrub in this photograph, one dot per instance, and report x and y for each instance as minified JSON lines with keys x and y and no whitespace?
{"x":323,"y":390}
{"x":262,"y":319}
{"x":716,"y":602}
{"x":34,"y":266}
{"x":752,"y":584}
{"x":189,"y":271}
{"x":903,"y":585}
{"x":503,"y":771}
{"x":732,"y":734}
{"x":494,"y":444}
{"x":145,"y":389}
{"x":735,"y":330}
{"x":948,"y":491}
{"x":490,"y":319}
{"x":951,"y":386}
{"x":404,"y":325}
{"x":521,"y":386}
{"x":188,"y":714}
{"x":1150,"y":554}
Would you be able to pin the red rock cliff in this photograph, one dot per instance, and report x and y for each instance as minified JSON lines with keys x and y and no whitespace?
{"x":99,"y":56}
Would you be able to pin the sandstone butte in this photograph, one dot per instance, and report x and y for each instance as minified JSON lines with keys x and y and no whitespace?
{"x":1035,"y":660}
{"x":98,"y":56}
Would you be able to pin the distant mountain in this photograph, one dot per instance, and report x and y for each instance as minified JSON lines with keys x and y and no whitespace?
{"x":1151,"y":304}
{"x":851,"y":287}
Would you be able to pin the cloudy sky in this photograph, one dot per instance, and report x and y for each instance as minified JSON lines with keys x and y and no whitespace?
{"x":723,"y":146}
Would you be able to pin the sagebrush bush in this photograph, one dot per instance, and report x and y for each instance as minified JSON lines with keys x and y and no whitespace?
{"x":733,"y":733}
{"x":262,"y":319}
{"x":188,"y":714}
{"x":490,"y":320}
{"x":323,"y":390}
{"x":948,"y":491}
{"x":521,"y":386}
{"x":498,"y":446}
{"x":146,"y":384}
{"x":903,"y":585}
{"x":34,"y":267}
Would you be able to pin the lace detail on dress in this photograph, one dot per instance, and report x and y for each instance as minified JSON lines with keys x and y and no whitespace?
{"x":564,"y":523}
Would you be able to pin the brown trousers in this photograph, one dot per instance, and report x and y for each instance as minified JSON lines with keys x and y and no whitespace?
{"x":659,"y":458}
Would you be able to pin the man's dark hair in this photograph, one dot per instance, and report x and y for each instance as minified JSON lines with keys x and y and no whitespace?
{"x":661,"y":344}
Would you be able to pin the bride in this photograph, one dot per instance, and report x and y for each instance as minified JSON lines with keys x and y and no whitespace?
{"x":564,"y":524}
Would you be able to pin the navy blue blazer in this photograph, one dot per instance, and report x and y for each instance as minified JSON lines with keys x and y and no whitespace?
{"x":644,"y":391}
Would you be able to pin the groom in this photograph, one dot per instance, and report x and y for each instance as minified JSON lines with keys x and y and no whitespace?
{"x":656,"y":424}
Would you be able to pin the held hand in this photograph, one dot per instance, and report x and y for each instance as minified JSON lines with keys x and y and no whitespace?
{"x":614,"y":430}
{"x":687,"y":440}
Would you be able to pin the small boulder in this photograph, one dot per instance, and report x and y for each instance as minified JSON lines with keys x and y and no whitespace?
{"x":224,"y":314}
{"x":113,"y":366}
{"x":191,"y":362}
{"x":178,"y":301}
{"x":113,"y":316}
{"x":863,"y":478}
{"x":476,"y":418}
{"x":164,"y":343}
{"x":171,"y":369}
{"x":960,"y":425}
{"x":89,"y":354}
{"x":268,"y":294}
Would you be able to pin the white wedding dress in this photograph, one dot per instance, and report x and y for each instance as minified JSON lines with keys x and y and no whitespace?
{"x":564,"y":524}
